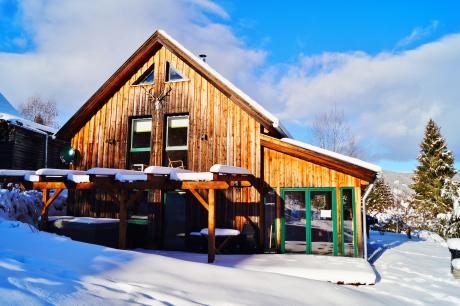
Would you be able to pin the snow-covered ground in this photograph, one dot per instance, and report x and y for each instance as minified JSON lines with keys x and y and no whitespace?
{"x":39,"y":268}
{"x":412,"y":272}
{"x":325,"y":268}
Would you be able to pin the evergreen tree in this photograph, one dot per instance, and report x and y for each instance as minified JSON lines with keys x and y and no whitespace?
{"x":381,"y":198}
{"x":432,"y":180}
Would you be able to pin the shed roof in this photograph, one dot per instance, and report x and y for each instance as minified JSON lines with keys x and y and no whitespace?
{"x":349,"y":165}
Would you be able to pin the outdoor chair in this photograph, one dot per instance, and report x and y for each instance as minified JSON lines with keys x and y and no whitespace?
{"x":175,"y":163}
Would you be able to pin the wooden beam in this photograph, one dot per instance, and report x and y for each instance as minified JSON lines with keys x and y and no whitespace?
{"x":44,"y":211}
{"x":199,"y":198}
{"x":204,"y":185}
{"x":211,"y":227}
{"x":123,"y":223}
{"x":46,"y":202}
{"x":338,"y":203}
{"x":278,"y":218}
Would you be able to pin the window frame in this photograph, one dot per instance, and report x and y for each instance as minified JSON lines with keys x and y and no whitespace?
{"x":144,"y":149}
{"x":139,"y":80}
{"x":353,"y":207}
{"x":168,"y":66}
{"x":308,"y":190}
{"x":176,"y":148}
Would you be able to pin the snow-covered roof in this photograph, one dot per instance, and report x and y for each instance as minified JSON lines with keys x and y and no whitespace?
{"x":9,"y":172}
{"x":159,"y":170}
{"x":130,"y":177}
{"x":218,"y":168}
{"x":112,"y":171}
{"x":30,"y":125}
{"x":348,"y":159}
{"x":191,"y":176}
{"x":276,"y":123}
{"x":57,"y":172}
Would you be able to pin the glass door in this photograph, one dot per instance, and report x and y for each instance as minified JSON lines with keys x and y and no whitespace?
{"x":323,"y":226}
{"x":349,"y":247}
{"x":295,"y":222}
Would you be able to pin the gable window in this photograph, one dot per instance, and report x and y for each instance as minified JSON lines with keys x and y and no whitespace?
{"x":172,"y":74}
{"x":140,"y":143}
{"x":147,"y":77}
{"x":176,"y":142}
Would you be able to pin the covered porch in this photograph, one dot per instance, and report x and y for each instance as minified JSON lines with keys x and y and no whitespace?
{"x":127,"y":186}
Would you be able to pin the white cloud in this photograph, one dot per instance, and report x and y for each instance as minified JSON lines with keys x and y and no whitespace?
{"x":80,"y":44}
{"x":418,"y":33}
{"x":388,"y":97}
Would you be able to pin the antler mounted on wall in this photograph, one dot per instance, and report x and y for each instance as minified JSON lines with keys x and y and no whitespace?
{"x":158,"y":100}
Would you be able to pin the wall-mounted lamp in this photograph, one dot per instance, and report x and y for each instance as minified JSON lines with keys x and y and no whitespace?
{"x":204,"y":137}
{"x":111,"y":141}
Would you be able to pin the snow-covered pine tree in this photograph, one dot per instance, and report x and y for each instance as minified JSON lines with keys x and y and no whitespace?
{"x":432,"y":180}
{"x":381,"y":198}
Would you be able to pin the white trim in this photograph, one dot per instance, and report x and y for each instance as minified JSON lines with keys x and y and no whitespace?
{"x":132,"y":132}
{"x":178,"y":81}
{"x":176,"y":148}
{"x":169,"y":65}
{"x":335,"y":155}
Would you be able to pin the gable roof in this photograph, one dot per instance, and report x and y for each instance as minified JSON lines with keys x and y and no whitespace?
{"x":27,"y":124}
{"x":158,"y":39}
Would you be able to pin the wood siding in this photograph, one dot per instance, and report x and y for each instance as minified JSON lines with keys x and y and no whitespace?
{"x":232,"y":138}
{"x":284,"y":171}
{"x":22,"y":148}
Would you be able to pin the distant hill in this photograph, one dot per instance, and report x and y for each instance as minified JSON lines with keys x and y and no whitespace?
{"x":6,"y":107}
{"x":399,"y":182}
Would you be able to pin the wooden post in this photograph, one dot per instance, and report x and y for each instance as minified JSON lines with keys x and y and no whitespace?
{"x":339,"y":218}
{"x":123,"y":216}
{"x":278,"y":218}
{"x":44,"y":211}
{"x":46,"y":202}
{"x":211,"y":226}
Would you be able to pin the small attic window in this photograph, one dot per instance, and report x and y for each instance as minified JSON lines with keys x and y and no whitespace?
{"x":172,"y":75}
{"x":147,"y":77}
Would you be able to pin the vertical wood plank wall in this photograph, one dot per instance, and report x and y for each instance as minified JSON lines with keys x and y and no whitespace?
{"x":282,"y":170}
{"x":232,"y":136}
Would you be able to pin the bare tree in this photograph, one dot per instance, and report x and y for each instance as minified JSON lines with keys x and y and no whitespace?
{"x":331,"y":132}
{"x":40,"y":111}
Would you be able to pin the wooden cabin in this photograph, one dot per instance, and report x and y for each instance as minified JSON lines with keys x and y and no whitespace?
{"x":28,"y":145}
{"x":165,"y":106}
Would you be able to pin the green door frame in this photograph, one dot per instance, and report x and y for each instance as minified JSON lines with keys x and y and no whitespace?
{"x":283,"y":219}
{"x":334,"y":215}
{"x":353,"y":205}
{"x":308,"y":191}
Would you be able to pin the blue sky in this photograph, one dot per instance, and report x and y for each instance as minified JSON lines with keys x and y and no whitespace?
{"x":288,"y":28}
{"x":390,"y":65}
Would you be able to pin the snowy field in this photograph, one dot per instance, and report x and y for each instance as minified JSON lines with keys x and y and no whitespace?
{"x":38,"y":268}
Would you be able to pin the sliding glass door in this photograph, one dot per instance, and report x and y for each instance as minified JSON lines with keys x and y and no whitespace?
{"x":323,"y":240}
{"x":349,"y":246}
{"x":295,"y":222}
{"x":309,"y":221}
